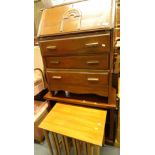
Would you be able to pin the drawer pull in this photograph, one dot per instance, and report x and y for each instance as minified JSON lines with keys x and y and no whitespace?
{"x":51,"y":47}
{"x":103,"y":45}
{"x":92,"y":44}
{"x":93,"y":79}
{"x":56,"y":77}
{"x":93,"y":62}
{"x":54,"y":62}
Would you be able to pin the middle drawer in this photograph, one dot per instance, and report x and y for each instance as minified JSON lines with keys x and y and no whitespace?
{"x":79,"y":62}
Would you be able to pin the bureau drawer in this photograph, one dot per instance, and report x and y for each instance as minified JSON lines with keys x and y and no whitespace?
{"x":76,"y":45}
{"x":79,"y":82}
{"x":79,"y":62}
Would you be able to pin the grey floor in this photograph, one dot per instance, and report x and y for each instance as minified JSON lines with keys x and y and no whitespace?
{"x":42,"y":149}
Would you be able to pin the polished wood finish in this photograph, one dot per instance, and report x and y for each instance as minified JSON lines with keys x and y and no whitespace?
{"x":69,"y":37}
{"x":69,"y":55}
{"x":78,"y":36}
{"x":75,"y":17}
{"x":96,"y":62}
{"x":81,"y":45}
{"x":89,"y":122}
{"x":92,"y":101}
{"x":79,"y":82}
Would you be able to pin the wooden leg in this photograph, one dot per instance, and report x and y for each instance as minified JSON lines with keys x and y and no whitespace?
{"x":56,"y":143}
{"x":75,"y":148}
{"x":78,"y":146}
{"x":111,"y":134}
{"x":48,"y":142}
{"x":84,"y":148}
{"x":97,"y":148}
{"x":65,"y":145}
{"x":89,"y":149}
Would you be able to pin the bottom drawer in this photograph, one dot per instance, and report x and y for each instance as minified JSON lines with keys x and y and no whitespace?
{"x":79,"y":82}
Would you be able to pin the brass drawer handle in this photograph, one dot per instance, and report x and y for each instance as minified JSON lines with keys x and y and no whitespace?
{"x":54,"y":62}
{"x":103,"y":45}
{"x":93,"y":62}
{"x":56,"y":77}
{"x":51,"y":47}
{"x":92,"y":79}
{"x":92,"y":44}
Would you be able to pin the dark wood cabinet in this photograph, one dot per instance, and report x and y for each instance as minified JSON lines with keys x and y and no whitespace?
{"x":76,"y":42}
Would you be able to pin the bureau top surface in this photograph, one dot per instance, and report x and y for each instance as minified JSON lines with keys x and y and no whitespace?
{"x":82,"y":123}
{"x":78,"y":17}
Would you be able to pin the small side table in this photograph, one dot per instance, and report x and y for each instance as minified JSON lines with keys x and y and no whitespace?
{"x":84,"y":125}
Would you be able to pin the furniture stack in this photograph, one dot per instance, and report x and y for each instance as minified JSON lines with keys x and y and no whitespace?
{"x":77,"y":46}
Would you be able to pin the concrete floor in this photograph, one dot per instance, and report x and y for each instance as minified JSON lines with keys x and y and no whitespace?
{"x":42,"y":149}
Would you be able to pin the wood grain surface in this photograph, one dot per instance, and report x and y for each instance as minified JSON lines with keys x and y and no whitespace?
{"x":78,"y":17}
{"x":82,"y":123}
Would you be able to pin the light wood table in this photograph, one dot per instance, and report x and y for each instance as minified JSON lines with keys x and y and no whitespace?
{"x":84,"y":125}
{"x":94,"y":102}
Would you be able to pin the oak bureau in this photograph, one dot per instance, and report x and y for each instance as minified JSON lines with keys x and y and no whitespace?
{"x":77,"y":43}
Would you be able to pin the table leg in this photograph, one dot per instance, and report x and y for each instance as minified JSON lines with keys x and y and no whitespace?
{"x":78,"y":146}
{"x":65,"y":144}
{"x":89,"y":149}
{"x":48,"y":141}
{"x":56,"y":143}
{"x":75,"y":148}
{"x":84,"y":148}
{"x":97,"y":148}
{"x":111,"y":134}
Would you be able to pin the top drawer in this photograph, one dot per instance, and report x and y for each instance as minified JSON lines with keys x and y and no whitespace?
{"x":68,"y":46}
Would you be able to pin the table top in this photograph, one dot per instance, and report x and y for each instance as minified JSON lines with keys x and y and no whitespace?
{"x":82,"y":123}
